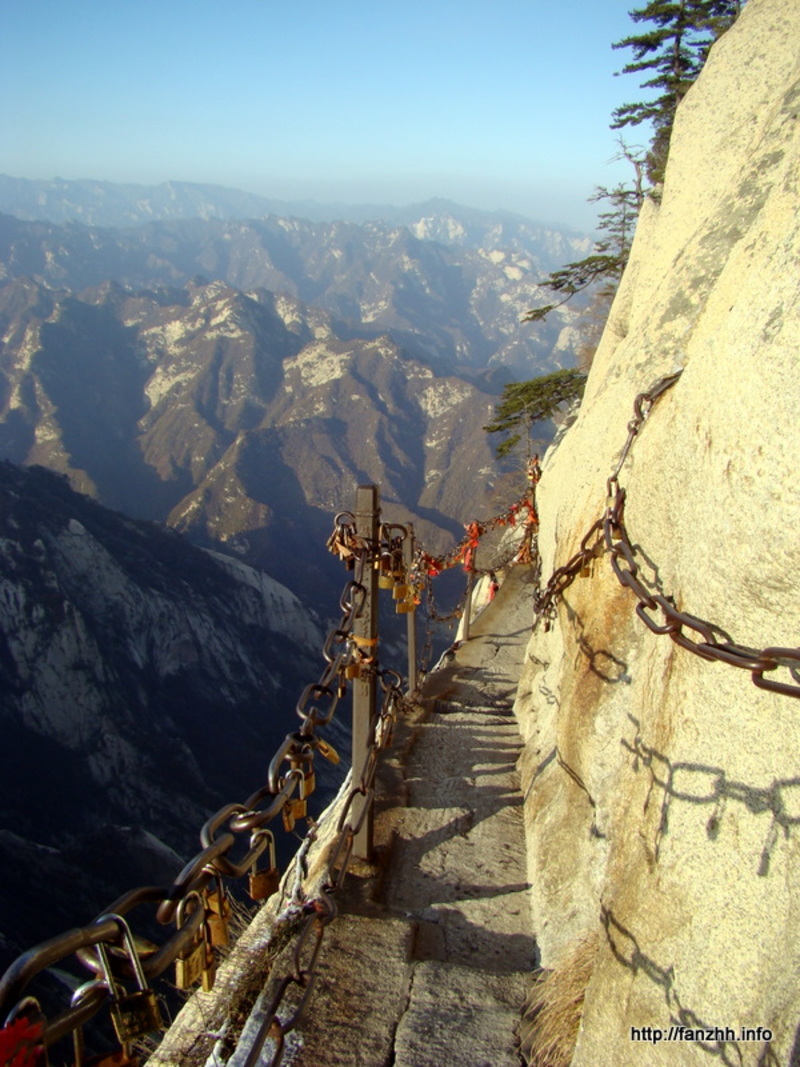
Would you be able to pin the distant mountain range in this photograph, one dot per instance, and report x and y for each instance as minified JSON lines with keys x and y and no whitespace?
{"x":101,"y":203}
{"x":234,"y":379}
{"x":439,"y":274}
{"x":237,"y":379}
{"x":241,"y":419}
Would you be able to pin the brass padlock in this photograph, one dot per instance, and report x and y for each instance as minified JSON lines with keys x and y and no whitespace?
{"x":352,"y":670}
{"x":121,"y":1058}
{"x":189,"y":966}
{"x":404,"y":607}
{"x":385,"y":580}
{"x":293,"y":809}
{"x":309,"y":781}
{"x":199,"y":961}
{"x":400,"y":591}
{"x":586,"y":572}
{"x":288,"y":817}
{"x":192,"y":959}
{"x":209,"y":973}
{"x":262,"y":884}
{"x":218,"y":914}
{"x":135,"y":1014}
{"x":327,"y":750}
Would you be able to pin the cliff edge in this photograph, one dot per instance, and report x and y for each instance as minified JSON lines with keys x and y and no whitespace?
{"x":663,"y":788}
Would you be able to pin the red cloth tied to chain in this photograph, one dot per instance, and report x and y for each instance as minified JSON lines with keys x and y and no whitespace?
{"x":22,"y":1044}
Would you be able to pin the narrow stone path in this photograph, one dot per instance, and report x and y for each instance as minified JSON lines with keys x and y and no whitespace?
{"x":429,"y":960}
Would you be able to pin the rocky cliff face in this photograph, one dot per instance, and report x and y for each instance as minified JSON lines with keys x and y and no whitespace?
{"x":143,"y":684}
{"x":662,"y":788}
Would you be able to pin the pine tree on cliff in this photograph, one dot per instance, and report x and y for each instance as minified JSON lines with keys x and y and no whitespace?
{"x":525,"y":403}
{"x":610,"y":254}
{"x":673,"y":48}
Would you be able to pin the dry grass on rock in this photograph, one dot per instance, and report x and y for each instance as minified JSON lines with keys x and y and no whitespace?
{"x":552,"y":1013}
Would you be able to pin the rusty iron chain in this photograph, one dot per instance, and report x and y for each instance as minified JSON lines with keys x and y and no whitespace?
{"x":25,"y":1033}
{"x":293,"y":990}
{"x":196,"y":900}
{"x":463,"y":552}
{"x":310,"y":917}
{"x":608,"y":535}
{"x":427,"y":567}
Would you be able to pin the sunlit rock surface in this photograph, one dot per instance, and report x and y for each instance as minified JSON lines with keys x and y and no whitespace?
{"x":666,"y":830}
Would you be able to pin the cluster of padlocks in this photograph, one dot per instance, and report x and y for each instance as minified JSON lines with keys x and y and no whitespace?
{"x":394,"y":574}
{"x":123,"y":967}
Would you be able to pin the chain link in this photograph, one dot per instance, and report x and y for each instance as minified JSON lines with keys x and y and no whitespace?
{"x":290,"y":780}
{"x":426,"y":567}
{"x":311,"y":917}
{"x":609,"y":535}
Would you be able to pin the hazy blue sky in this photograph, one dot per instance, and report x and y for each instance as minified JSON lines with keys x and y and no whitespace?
{"x":494,"y":103}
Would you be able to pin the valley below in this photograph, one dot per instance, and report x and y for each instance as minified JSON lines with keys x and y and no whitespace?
{"x":185,"y":404}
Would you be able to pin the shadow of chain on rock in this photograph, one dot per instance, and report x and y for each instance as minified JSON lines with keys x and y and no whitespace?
{"x":627,"y":952}
{"x":702,"y":784}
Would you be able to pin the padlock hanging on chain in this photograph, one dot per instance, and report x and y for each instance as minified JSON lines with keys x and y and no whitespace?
{"x":135,"y":1014}
{"x":196,"y":961}
{"x":263,"y":884}
{"x":294,"y":809}
{"x":218,"y":913}
{"x":303,"y":764}
{"x":121,"y":1058}
{"x":327,"y":751}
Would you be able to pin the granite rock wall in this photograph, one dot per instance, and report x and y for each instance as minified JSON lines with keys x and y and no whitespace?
{"x":663,"y":789}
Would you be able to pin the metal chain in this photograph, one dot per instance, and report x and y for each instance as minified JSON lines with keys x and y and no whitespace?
{"x":609,"y":535}
{"x":463,"y":552}
{"x":427,"y":567}
{"x":189,"y":902}
{"x":311,"y":917}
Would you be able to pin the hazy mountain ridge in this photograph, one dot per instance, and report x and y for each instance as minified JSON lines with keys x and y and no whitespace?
{"x":461,"y":302}
{"x":104,"y":203}
{"x":238,"y":379}
{"x":241,"y":418}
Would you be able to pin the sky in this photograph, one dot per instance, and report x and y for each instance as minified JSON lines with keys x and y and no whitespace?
{"x":491,"y":103}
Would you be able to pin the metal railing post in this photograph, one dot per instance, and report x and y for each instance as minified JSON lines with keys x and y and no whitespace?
{"x":365,"y":630}
{"x":468,"y":605}
{"x":408,"y":559}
